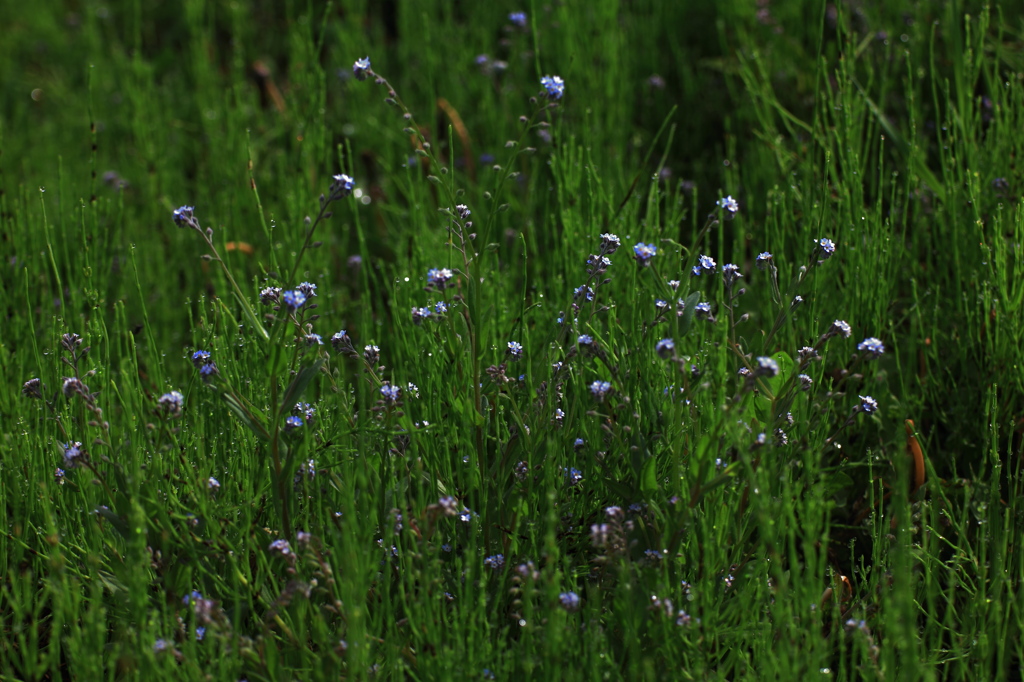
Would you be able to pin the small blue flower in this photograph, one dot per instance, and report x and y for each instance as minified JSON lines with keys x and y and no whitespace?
{"x":585,"y":340}
{"x":600,"y":389}
{"x":440,"y":307}
{"x":341,"y":185}
{"x":361,"y":68}
{"x":554,"y":87}
{"x":729,"y":205}
{"x":827,"y":248}
{"x":578,"y":443}
{"x":439,"y":277}
{"x":696,"y":271}
{"x":183,"y":215}
{"x":559,"y":415}
{"x":574,"y":475}
{"x":643,"y":253}
{"x":212,"y":484}
{"x":766,"y":367}
{"x":420,"y":314}
{"x":292,"y":423}
{"x":703,"y":311}
{"x":868,"y":405}
{"x":515,"y":350}
{"x":314,"y":340}
{"x":208,"y":370}
{"x":73,"y":454}
{"x":660,"y":303}
{"x":730,"y":273}
{"x":341,"y":342}
{"x":763,"y":259}
{"x":665,"y":348}
{"x":609,"y":243}
{"x":495,"y":562}
{"x":872,"y":346}
{"x":390,"y":393}
{"x":518,"y":18}
{"x":200,"y":358}
{"x":839,"y":328}
{"x":308,"y":289}
{"x":584,"y":291}
{"x":707,"y":263}
{"x":294,"y":299}
{"x":172,"y":403}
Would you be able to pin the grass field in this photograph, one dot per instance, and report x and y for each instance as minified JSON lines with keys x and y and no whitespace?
{"x":596,"y":340}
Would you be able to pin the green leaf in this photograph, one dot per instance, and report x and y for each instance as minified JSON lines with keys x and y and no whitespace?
{"x":298,"y":385}
{"x":649,"y":477}
{"x":246,"y":417}
{"x":689,"y":309}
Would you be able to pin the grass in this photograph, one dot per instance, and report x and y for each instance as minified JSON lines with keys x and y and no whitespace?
{"x":684,"y":521}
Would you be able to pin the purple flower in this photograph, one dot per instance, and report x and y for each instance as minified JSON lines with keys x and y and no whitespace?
{"x":390,"y":393}
{"x":518,"y":18}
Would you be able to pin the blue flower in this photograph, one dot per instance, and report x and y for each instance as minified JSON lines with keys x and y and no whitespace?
{"x":361,"y":68}
{"x":515,"y":349}
{"x":729,"y":204}
{"x":294,"y":299}
{"x":342,"y":185}
{"x":872,"y":346}
{"x":600,"y":389}
{"x":73,"y":454}
{"x":584,"y":291}
{"x":518,"y":18}
{"x":730,"y":273}
{"x":643,"y":253}
{"x":707,"y":263}
{"x":390,"y":393}
{"x":440,"y":307}
{"x":766,"y":367}
{"x":574,"y":475}
{"x":665,"y":348}
{"x":827,"y":248}
{"x":578,"y":443}
{"x":172,"y":403}
{"x":763,"y":259}
{"x":609,"y":243}
{"x":439,"y":277}
{"x":554,"y":87}
{"x":200,"y":358}
{"x":585,"y":340}
{"x":308,"y":289}
{"x":314,"y":340}
{"x":420,"y":314}
{"x":696,"y":271}
{"x":839,"y":328}
{"x":495,"y":562}
{"x":868,"y":404}
{"x":703,"y":311}
{"x":208,"y":370}
{"x":183,"y":216}
{"x":292,"y":423}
